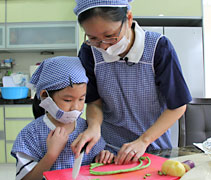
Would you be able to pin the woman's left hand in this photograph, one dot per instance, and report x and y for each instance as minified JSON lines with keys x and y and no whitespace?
{"x":105,"y":157}
{"x":131,"y":152}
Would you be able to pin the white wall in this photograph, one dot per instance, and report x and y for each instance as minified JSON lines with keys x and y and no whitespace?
{"x":207,"y":46}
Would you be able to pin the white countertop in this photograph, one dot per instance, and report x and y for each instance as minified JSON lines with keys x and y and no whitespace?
{"x":202,"y":169}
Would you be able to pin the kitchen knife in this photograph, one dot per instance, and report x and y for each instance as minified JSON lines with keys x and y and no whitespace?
{"x":77,"y":162}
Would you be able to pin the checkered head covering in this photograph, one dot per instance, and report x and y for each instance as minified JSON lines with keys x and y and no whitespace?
{"x":57,"y":73}
{"x":83,"y":5}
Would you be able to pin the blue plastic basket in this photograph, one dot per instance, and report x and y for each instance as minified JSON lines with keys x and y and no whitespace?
{"x":14,"y":92}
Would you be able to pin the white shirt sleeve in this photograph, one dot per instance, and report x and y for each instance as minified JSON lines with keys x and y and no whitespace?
{"x":24,"y":165}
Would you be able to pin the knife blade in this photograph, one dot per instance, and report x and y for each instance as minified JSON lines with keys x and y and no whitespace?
{"x":77,"y":163}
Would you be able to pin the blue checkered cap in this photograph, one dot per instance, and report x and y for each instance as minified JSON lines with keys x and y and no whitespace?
{"x":83,"y":5}
{"x":57,"y":73}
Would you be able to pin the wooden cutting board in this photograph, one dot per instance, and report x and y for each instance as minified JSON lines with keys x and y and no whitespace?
{"x":156,"y":163}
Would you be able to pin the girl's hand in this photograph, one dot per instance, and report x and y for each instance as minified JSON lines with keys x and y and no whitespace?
{"x":131,"y":152}
{"x":104,"y":157}
{"x":56,"y":141}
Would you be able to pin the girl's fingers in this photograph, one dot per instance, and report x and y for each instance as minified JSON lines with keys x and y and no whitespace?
{"x":97,"y":159}
{"x":57,"y":130}
{"x":110,"y":160}
{"x":108,"y":157}
{"x":102,"y":156}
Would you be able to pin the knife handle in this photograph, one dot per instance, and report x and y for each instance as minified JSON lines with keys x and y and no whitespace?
{"x":84,"y":147}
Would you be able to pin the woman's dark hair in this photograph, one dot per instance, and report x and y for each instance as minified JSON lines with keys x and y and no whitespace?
{"x":37,"y":110}
{"x":109,"y":13}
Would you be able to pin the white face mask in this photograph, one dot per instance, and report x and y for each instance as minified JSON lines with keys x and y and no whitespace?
{"x":64,"y":117}
{"x":118,"y":48}
{"x":111,"y":54}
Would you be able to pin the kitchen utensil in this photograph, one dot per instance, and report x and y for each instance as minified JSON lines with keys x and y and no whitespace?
{"x":14,"y":92}
{"x":77,"y":163}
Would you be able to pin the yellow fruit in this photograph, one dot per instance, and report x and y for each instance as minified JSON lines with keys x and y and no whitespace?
{"x":173,"y":168}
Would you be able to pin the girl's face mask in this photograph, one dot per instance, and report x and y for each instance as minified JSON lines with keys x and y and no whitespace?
{"x":64,"y":117}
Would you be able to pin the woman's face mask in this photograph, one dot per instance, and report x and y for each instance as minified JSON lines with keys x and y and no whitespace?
{"x":64,"y":117}
{"x":118,"y":48}
{"x":111,"y":54}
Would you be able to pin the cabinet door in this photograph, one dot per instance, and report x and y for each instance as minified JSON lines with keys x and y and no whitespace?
{"x":42,"y":36}
{"x":2,"y":36}
{"x":2,"y":136}
{"x":188,"y":45}
{"x":13,"y":127}
{"x":167,"y":8}
{"x":2,"y":11}
{"x":1,"y":118}
{"x":18,"y":111}
{"x":39,"y":11}
{"x":2,"y":151}
{"x":10,"y":159}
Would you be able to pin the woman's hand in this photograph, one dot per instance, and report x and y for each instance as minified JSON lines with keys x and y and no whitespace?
{"x":90,"y":135}
{"x":131,"y":152}
{"x":56,"y":141}
{"x":104,"y":157}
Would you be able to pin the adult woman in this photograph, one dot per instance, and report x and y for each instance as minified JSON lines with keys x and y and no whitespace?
{"x":136,"y":88}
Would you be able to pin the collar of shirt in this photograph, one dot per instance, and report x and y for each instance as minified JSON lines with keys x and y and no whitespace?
{"x":136,"y":51}
{"x":50,"y":125}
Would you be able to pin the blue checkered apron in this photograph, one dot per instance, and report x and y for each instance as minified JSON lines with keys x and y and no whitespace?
{"x":131,"y":100}
{"x":32,"y":141}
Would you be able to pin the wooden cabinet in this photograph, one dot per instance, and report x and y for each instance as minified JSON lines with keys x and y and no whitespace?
{"x":16,"y":118}
{"x":40,"y":11}
{"x":192,"y":8}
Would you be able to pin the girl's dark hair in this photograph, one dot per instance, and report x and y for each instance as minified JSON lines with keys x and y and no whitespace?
{"x":109,"y":13}
{"x":37,"y":110}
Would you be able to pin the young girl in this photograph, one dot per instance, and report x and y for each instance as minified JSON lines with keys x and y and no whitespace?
{"x":44,"y":144}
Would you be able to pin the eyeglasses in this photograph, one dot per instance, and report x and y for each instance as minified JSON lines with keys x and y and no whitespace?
{"x":97,"y":43}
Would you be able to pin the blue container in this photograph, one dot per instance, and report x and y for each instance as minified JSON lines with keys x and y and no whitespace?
{"x":14,"y":92}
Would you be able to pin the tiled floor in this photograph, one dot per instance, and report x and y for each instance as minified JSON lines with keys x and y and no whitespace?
{"x":7,"y":171}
